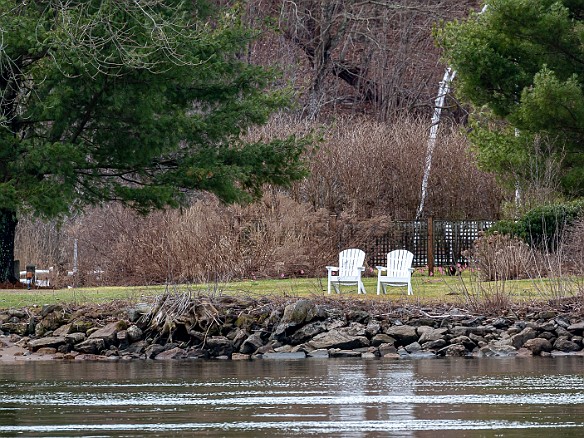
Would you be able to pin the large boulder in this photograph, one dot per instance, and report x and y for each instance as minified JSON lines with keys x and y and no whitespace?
{"x":46,"y":342}
{"x":338,"y":338}
{"x":538,"y":346}
{"x":307,"y":332}
{"x":295,"y":315}
{"x":403,"y":334}
{"x":522,"y":337}
{"x":565,"y":345}
{"x":251,"y":344}
{"x":91,"y":346}
{"x":431,"y":334}
{"x":108,"y":333}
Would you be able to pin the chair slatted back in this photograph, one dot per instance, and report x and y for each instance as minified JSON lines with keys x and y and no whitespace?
{"x":350,"y":260}
{"x":398,"y":263}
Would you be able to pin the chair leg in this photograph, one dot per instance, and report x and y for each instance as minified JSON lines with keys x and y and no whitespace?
{"x":378,"y":286}
{"x":362,"y":287}
{"x":410,"y":292}
{"x":329,"y":286}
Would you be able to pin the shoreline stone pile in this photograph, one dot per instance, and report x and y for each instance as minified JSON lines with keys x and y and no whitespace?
{"x":241,"y":329}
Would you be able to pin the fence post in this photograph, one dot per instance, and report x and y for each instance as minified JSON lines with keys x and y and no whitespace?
{"x":430,"y":246}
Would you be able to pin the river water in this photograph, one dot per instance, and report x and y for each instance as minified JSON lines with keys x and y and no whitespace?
{"x":452,"y":397}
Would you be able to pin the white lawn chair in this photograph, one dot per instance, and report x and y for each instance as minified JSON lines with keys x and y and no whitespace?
{"x":398,"y":271}
{"x":349,"y":270}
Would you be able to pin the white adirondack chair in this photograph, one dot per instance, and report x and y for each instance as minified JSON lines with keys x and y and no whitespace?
{"x":348,"y":272}
{"x":398,"y":271}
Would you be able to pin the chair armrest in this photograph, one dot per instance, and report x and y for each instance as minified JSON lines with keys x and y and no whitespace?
{"x":361,"y":268}
{"x":332,"y":268}
{"x":412,"y":270}
{"x":381,"y":268}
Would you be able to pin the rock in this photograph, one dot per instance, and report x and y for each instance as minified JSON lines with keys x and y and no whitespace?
{"x":53,"y":317}
{"x":338,"y":339}
{"x":47,"y":342}
{"x":565,"y":345}
{"x":576,"y":328}
{"x":373,"y":328}
{"x":501,"y":323}
{"x":18,"y":328}
{"x":269,"y":347}
{"x":136,"y":348}
{"x":284,"y":349}
{"x":280,"y":356}
{"x":546,"y":314}
{"x":18,"y":313}
{"x":538,"y":345}
{"x":151,"y":351}
{"x":458,"y":331}
{"x":63,"y":330}
{"x":139,"y":310}
{"x":134,"y":333}
{"x":307,"y":332}
{"x":122,"y":339}
{"x":80,"y":325}
{"x":173,"y":353}
{"x":90,"y":357}
{"x":385,"y":349}
{"x":465,"y":341}
{"x":251,"y":344}
{"x":403,"y":334}
{"x":318,"y":354}
{"x":335,"y":352}
{"x":237,"y":336}
{"x":522,"y":337}
{"x":359,"y":316}
{"x":296,"y":314}
{"x":107,"y":333}
{"x":434,"y":345}
{"x":91,"y":346}
{"x":219,"y":346}
{"x":499,"y":350}
{"x":382,"y":338}
{"x":240,"y":356}
{"x":413,"y":347}
{"x":46,"y":351}
{"x":431,"y":334}
{"x":455,"y":350}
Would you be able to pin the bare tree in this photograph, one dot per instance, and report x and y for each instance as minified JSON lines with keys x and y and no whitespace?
{"x":376,"y":56}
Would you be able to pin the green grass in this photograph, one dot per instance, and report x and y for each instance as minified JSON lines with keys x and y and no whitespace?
{"x":439,"y":288}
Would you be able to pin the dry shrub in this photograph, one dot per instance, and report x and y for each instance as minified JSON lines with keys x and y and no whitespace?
{"x":573,"y":247}
{"x":499,"y":257}
{"x":364,"y":174}
{"x":206,"y":242}
{"x":368,"y":168}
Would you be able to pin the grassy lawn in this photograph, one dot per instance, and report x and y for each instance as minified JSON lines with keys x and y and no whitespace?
{"x":440,"y":288}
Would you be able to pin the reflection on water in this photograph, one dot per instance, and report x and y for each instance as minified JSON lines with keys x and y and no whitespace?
{"x":356,"y":398}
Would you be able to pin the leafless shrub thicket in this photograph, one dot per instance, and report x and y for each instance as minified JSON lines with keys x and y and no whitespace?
{"x":573,"y":247}
{"x":364,"y":174}
{"x":369,"y":168}
{"x":499,"y":257}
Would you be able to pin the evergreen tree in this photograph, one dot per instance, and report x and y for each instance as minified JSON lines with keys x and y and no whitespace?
{"x":140,"y":102}
{"x":520,"y":64}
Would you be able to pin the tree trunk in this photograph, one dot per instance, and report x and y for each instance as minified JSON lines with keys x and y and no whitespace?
{"x":8,"y":223}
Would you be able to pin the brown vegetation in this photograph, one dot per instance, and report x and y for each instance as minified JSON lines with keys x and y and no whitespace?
{"x":363,"y":175}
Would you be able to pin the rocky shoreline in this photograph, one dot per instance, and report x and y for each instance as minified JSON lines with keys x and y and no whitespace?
{"x":181,"y":327}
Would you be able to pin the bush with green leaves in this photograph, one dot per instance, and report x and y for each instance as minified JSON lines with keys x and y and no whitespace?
{"x":542,"y":227}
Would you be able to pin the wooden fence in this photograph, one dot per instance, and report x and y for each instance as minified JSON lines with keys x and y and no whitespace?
{"x":449,"y":239}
